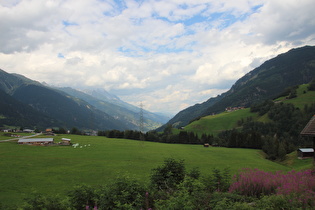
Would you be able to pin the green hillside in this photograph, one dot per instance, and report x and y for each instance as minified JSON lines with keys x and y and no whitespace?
{"x":305,"y":97}
{"x":56,"y":169}
{"x":214,"y":124}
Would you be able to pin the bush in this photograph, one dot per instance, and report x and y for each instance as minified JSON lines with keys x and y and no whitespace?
{"x":169,"y":175}
{"x":123,"y":193}
{"x":218,"y":181}
{"x":82,"y":196}
{"x":276,"y":202}
{"x":37,"y":201}
{"x":189,"y":195}
{"x":219,"y":200}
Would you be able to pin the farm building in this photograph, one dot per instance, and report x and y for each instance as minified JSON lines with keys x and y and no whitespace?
{"x":309,"y":130}
{"x":65,"y":141}
{"x":28,"y":131}
{"x":36,"y":141}
{"x":305,"y":153}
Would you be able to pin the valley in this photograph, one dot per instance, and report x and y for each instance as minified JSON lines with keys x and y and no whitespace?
{"x":57,"y":169}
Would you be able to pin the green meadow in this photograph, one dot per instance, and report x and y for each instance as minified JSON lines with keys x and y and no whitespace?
{"x":214,"y":124}
{"x":56,"y":169}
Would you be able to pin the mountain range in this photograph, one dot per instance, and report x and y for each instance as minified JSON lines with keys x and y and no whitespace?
{"x":28,"y":103}
{"x":267,"y":81}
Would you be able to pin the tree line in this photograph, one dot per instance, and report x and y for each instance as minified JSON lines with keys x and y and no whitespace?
{"x":167,"y":136}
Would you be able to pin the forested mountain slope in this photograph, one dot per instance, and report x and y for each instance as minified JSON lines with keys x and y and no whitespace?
{"x":295,"y":67}
{"x":29,"y":103}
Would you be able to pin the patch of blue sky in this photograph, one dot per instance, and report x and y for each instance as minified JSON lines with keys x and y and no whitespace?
{"x":137,"y":21}
{"x":119,"y":6}
{"x":195,"y":19}
{"x":167,"y":49}
{"x":68,"y":23}
{"x":139,"y":51}
{"x":129,"y":52}
{"x":227,"y":19}
{"x":60,"y":55}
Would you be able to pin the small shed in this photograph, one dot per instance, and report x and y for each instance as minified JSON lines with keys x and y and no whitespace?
{"x":36,"y":141}
{"x":65,"y":141}
{"x":305,"y":153}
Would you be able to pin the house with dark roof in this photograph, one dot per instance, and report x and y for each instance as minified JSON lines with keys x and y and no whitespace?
{"x":309,"y":129}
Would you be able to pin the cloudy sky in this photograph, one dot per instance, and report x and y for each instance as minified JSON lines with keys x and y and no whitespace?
{"x":167,"y":54}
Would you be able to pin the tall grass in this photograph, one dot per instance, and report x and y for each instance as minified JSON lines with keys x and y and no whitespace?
{"x":299,"y":186}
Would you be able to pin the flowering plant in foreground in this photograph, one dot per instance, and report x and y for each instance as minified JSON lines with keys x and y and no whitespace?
{"x":296,"y":185}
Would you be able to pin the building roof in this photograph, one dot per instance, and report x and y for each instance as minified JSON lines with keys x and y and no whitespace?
{"x":309,"y":129}
{"x":36,"y":140}
{"x":306,"y":149}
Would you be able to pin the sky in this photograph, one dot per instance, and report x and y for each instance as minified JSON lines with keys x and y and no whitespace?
{"x":166,"y":54}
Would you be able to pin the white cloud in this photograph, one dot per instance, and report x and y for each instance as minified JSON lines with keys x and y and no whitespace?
{"x":168,"y":54}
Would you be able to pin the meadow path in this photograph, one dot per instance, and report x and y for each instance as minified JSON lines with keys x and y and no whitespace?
{"x":23,"y":137}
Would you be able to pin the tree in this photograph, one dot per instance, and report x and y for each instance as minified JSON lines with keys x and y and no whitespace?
{"x":169,"y":175}
{"x":82,"y":196}
{"x":75,"y":130}
{"x":168,"y":129}
{"x":122,"y":193}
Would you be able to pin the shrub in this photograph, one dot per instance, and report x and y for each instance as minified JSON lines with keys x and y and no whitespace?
{"x":219,"y":200}
{"x":218,"y":181}
{"x":37,"y":201}
{"x":169,"y":175}
{"x":123,"y":193}
{"x":276,"y":202}
{"x":189,"y":195}
{"x":82,"y":196}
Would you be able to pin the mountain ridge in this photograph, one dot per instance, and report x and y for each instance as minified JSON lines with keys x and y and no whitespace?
{"x":59,"y":107}
{"x":297,"y":66}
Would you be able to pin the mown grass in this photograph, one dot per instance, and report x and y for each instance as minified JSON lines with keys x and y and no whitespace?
{"x":305,"y":97}
{"x":56,"y":169}
{"x":214,"y":124}
{"x":293,"y":162}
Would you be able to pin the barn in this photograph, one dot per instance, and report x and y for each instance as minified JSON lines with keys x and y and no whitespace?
{"x":305,"y":153}
{"x":65,"y":141}
{"x":309,"y":131}
{"x":36,"y":141}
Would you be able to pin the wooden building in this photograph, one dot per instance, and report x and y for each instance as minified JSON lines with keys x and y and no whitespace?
{"x":309,"y":130}
{"x":65,"y":141}
{"x":36,"y":141}
{"x":305,"y":153}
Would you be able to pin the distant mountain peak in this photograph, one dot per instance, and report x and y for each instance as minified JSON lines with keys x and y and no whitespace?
{"x":101,"y":94}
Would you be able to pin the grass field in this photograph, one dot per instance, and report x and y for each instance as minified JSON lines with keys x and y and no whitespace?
{"x":214,"y":124}
{"x":305,"y":97}
{"x":56,"y":169}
